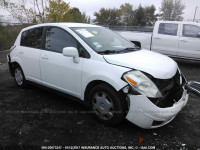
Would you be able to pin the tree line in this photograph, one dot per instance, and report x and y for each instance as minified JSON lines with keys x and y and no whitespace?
{"x":170,"y":10}
{"x":59,"y":11}
{"x":125,"y":15}
{"x":41,"y":11}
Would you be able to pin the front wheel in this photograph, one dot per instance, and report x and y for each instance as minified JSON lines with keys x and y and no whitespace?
{"x":107,"y":104}
{"x":19,"y":77}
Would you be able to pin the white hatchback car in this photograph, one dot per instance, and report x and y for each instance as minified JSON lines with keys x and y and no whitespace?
{"x":115,"y":78}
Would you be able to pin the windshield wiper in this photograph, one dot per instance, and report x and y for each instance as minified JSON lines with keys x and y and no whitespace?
{"x":129,"y":49}
{"x":107,"y":52}
{"x":119,"y":51}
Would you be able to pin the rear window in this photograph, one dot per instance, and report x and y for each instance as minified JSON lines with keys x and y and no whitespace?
{"x":32,"y":38}
{"x":168,"y":29}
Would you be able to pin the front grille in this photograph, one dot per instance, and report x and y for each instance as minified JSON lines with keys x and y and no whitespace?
{"x":171,"y":90}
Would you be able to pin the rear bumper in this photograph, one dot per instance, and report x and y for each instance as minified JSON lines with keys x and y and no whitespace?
{"x":144,"y":113}
{"x":10,"y":65}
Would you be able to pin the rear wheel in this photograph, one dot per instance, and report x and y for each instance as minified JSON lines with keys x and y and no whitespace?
{"x":107,"y":104}
{"x":19,"y":77}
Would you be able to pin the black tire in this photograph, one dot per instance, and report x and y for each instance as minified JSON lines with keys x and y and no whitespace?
{"x":19,"y":77}
{"x":108,"y":105}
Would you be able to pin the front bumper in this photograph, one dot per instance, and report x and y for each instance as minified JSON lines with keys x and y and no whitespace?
{"x":144,"y":113}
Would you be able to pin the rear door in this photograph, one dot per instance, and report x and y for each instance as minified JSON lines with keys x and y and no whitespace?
{"x":165,"y":39}
{"x":189,"y":44}
{"x":29,"y":51}
{"x":60,"y":72}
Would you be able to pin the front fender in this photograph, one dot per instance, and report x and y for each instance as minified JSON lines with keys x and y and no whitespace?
{"x":117,"y":84}
{"x":103,"y":71}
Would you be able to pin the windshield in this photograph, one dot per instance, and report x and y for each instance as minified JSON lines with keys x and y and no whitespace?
{"x":103,"y":40}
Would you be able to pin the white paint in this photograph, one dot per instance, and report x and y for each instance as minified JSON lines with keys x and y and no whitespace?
{"x":159,"y":66}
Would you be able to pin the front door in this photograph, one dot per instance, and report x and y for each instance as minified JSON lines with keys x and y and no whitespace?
{"x":58,"y":71}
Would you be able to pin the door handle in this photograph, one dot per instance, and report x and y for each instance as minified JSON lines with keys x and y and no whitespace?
{"x":44,"y":57}
{"x":183,"y":41}
{"x":158,"y":38}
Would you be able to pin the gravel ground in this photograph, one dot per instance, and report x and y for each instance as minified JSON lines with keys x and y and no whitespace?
{"x":34,"y":117}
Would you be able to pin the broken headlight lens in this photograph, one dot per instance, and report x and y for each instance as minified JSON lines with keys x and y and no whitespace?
{"x":142,"y":84}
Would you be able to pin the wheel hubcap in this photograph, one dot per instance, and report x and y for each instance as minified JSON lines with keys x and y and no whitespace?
{"x":103,"y":105}
{"x":18,"y":76}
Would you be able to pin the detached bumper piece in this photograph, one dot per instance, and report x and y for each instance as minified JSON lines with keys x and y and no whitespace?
{"x":193,"y":87}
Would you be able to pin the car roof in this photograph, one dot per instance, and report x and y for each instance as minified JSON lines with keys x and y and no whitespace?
{"x":67,"y":24}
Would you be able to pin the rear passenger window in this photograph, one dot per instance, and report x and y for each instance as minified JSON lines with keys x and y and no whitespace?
{"x":57,"y":39}
{"x":191,"y":31}
{"x":168,"y":28}
{"x":32,"y":38}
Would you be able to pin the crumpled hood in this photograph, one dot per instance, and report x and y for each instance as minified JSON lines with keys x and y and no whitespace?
{"x":155,"y":64}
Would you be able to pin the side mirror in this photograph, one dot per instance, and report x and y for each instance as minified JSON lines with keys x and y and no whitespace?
{"x":71,"y":52}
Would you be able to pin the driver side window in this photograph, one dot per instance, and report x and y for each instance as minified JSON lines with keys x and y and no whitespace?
{"x":57,"y":39}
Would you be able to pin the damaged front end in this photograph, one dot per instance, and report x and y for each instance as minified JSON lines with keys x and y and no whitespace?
{"x":171,"y":90}
{"x":152,"y":112}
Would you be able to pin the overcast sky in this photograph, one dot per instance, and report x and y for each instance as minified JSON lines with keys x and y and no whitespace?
{"x":90,"y":6}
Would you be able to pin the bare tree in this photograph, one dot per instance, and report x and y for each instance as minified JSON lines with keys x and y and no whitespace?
{"x":40,"y":9}
{"x":18,"y":11}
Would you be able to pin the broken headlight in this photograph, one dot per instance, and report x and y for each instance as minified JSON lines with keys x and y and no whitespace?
{"x":142,"y":84}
